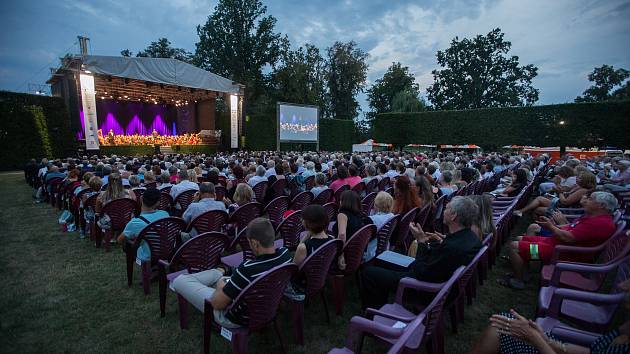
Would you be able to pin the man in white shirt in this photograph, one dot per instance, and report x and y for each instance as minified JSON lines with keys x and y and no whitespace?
{"x":185,"y":183}
{"x":259,"y":177}
{"x":271,"y":170}
{"x":204,"y":201}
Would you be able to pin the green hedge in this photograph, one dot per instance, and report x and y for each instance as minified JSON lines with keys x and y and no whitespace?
{"x":334,"y":134}
{"x":193,"y":149}
{"x":584,"y":125}
{"x":125,"y":150}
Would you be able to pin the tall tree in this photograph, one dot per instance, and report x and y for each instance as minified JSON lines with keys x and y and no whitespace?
{"x":347,"y":72}
{"x":162,"y":49}
{"x":300,"y":77}
{"x":606,"y":79}
{"x":408,"y":101}
{"x":396,"y":80}
{"x":126,"y":53}
{"x":238,"y":41}
{"x":479,"y":73}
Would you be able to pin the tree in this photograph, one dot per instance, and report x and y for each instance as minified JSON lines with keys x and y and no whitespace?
{"x":162,"y":49}
{"x":126,"y":53}
{"x":300,"y":77}
{"x":347,"y":72}
{"x":407,"y":101}
{"x":238,"y":41}
{"x":478,"y":73}
{"x":606,"y":78}
{"x":397,"y":80}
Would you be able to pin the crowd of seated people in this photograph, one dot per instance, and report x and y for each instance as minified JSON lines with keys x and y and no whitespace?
{"x":416,"y":180}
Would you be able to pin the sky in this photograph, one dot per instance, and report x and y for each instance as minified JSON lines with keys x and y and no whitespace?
{"x":565,"y":39}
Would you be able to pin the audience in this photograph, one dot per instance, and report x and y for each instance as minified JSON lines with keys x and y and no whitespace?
{"x":405,"y":196}
{"x":203,"y":201}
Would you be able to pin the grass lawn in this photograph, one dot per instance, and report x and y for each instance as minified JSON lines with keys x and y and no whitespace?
{"x":60,"y":294}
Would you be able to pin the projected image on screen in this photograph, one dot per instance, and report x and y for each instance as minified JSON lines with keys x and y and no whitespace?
{"x":298,"y":123}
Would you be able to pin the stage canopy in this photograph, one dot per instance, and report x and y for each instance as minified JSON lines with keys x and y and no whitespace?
{"x":159,"y":70}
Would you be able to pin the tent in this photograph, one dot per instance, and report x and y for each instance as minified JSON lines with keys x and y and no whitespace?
{"x":370,"y":145}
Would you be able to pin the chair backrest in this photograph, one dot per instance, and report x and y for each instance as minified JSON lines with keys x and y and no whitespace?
{"x":276,"y":208}
{"x":309,"y":182}
{"x":368,"y":202}
{"x":411,"y":329}
{"x":289,"y":230}
{"x":90,"y":202}
{"x":315,"y":267}
{"x":219,"y":192}
{"x":323,"y":197}
{"x":212,"y":220}
{"x":384,"y":235}
{"x":359,"y":187}
{"x":470,"y":268}
{"x":201,"y":253}
{"x":383,"y":183}
{"x":262,"y":296}
{"x":241,"y":240}
{"x":402,"y":233}
{"x":301,"y":200}
{"x":331,"y":211}
{"x":166,"y":189}
{"x":185,"y":198}
{"x":390,"y":190}
{"x":433,"y":312}
{"x":372,"y":185}
{"x":259,"y":191}
{"x":138,"y":192}
{"x":163,"y":237}
{"x":439,"y":213}
{"x":340,"y":190}
{"x":165,"y":200}
{"x":423,"y":215}
{"x":120,"y":211}
{"x":245,"y":213}
{"x":355,"y":246}
{"x":278,"y":187}
{"x":151,"y":185}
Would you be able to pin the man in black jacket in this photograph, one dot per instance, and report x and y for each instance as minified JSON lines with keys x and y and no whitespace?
{"x":437,"y":258}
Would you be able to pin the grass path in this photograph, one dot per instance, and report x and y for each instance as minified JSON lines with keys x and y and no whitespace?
{"x":59,"y":294}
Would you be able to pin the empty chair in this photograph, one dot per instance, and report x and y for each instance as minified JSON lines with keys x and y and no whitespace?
{"x":195,"y":255}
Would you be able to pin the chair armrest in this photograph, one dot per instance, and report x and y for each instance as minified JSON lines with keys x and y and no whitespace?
{"x":359,"y":324}
{"x":575,"y":336}
{"x":559,"y":295}
{"x":559,"y":249}
{"x":164,"y":264}
{"x":411,"y":283}
{"x":578,"y":268}
{"x":370,"y":312}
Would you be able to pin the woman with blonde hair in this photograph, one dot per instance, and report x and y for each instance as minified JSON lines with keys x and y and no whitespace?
{"x":382,"y":214}
{"x":484,"y":225}
{"x":242,"y":195}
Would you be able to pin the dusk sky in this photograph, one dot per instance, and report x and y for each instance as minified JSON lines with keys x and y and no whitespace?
{"x":565,"y":39}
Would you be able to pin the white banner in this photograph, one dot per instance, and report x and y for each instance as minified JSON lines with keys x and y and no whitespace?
{"x":88,"y":97}
{"x":234,"y":121}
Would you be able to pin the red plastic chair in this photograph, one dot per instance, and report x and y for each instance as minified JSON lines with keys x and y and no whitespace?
{"x":212,"y":220}
{"x":353,"y":255}
{"x":219,"y":192}
{"x":383,"y":184}
{"x":301,"y":200}
{"x":309,"y":182}
{"x":323,"y":197}
{"x":403,"y":237}
{"x":55,"y":194}
{"x":195,"y":255}
{"x":163,"y":237}
{"x":138,"y":192}
{"x":166,"y":201}
{"x":561,"y":250}
{"x":290,"y":229}
{"x":260,"y":189}
{"x":120,"y":211}
{"x":431,"y":332}
{"x":368,"y":202}
{"x":385,"y":233}
{"x":358,"y":188}
{"x":90,"y":226}
{"x":278,"y":187}
{"x":331,"y":211}
{"x":237,"y":257}
{"x":261,"y":298}
{"x":276,"y":209}
{"x":372,"y":186}
{"x":184,"y":199}
{"x":313,"y":270}
{"x":467,"y":284}
{"x":242,"y":216}
{"x":339,"y":191}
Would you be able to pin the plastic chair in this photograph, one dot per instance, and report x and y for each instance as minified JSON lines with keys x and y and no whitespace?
{"x":383,"y":183}
{"x":313,"y":269}
{"x":212,"y":220}
{"x":261,"y":298}
{"x":433,"y":336}
{"x":358,"y":188}
{"x":331,"y":211}
{"x":183,"y":200}
{"x":353,"y":255}
{"x":301,"y":200}
{"x":219,"y":192}
{"x":403,"y":237}
{"x":120,"y":211}
{"x":466,"y":284}
{"x":372,"y":186}
{"x":195,"y":255}
{"x":337,"y":195}
{"x":323,"y":197}
{"x":290,"y":229}
{"x":278,"y":187}
{"x":309,"y":182}
{"x":166,"y":201}
{"x":560,"y":250}
{"x":163,"y":237}
{"x":276,"y":209}
{"x":259,"y":191}
{"x":368,"y":202}
{"x":238,"y":257}
{"x":242,"y":216}
{"x":593,"y":311}
{"x":384,"y":235}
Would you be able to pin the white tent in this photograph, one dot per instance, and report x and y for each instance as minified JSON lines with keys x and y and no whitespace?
{"x":370,"y":145}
